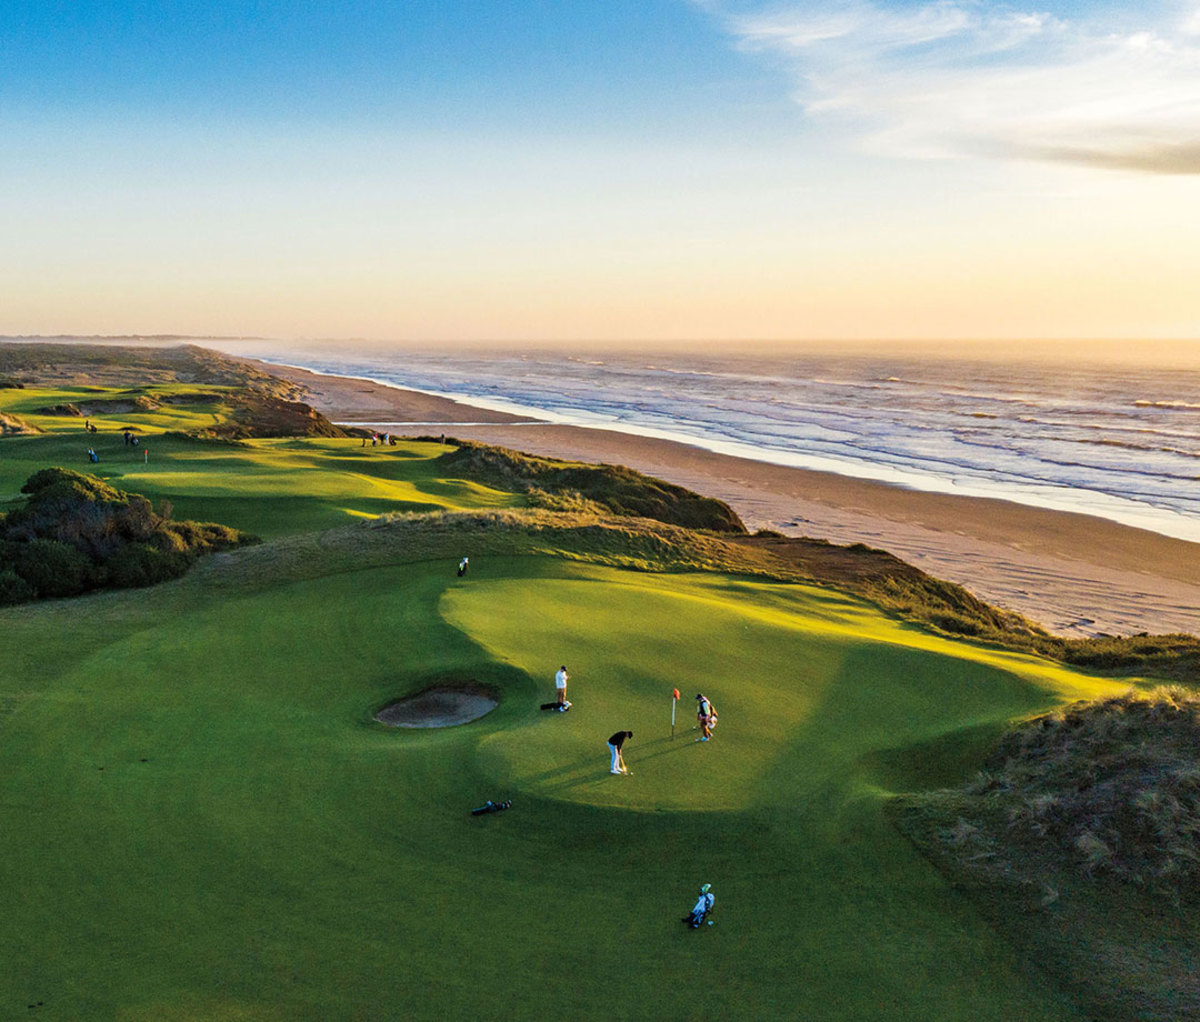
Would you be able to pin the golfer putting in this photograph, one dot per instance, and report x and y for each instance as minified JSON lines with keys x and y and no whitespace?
{"x":615,"y":744}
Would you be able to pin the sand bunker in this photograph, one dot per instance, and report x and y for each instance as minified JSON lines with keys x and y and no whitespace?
{"x":442,"y":705}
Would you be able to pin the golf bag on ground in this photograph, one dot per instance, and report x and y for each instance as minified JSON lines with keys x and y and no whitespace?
{"x":491,"y":807}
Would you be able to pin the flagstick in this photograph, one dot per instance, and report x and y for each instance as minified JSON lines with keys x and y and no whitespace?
{"x":673,"y":702}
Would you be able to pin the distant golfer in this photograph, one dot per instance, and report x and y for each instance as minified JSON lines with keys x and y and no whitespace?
{"x":704,"y":905}
{"x":463,"y":565}
{"x":705,"y":716}
{"x":615,"y":744}
{"x":560,"y":686}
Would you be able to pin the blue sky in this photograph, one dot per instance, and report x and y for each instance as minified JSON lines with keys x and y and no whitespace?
{"x":499,"y":65}
{"x":593,"y":170}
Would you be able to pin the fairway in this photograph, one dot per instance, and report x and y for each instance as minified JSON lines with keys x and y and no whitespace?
{"x":268,"y":487}
{"x":199,"y":818}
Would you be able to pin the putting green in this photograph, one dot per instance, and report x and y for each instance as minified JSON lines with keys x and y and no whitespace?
{"x":806,"y":683}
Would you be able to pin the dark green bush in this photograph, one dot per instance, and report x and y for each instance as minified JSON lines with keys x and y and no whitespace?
{"x":13,"y":588}
{"x":54,"y":568}
{"x":140,"y":564}
{"x":76,"y":533}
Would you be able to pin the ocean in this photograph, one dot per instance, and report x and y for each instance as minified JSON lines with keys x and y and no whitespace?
{"x":1118,"y":439}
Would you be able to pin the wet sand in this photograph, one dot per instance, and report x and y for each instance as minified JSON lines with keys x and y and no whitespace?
{"x":1075,"y":574}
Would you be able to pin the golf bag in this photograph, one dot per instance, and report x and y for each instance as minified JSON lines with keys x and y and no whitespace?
{"x":700,"y":913}
{"x":491,"y":807}
{"x":555,"y":706}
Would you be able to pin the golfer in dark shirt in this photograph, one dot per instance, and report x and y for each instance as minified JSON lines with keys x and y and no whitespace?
{"x":614,"y":746}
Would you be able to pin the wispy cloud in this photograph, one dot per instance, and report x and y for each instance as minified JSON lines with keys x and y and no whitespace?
{"x":956,"y":77}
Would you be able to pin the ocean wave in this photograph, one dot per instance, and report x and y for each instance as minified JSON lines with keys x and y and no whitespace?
{"x":1184,"y":406}
{"x":907,"y":383}
{"x":1122,"y":445}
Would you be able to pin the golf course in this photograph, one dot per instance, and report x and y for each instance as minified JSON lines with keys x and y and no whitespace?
{"x":201,"y":818}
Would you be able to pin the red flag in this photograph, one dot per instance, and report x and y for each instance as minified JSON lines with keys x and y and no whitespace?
{"x":676,"y":691}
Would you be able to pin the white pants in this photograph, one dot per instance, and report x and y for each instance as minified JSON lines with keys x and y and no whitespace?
{"x":616,"y":757}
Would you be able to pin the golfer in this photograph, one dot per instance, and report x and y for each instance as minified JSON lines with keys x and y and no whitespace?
{"x":704,"y":905}
{"x":705,"y":715}
{"x":560,"y":685}
{"x":614,"y":746}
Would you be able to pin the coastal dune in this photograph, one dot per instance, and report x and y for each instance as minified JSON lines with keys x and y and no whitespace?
{"x":1075,"y":574}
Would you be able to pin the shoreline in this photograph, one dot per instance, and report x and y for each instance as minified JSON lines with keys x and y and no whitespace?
{"x":1077,"y":575}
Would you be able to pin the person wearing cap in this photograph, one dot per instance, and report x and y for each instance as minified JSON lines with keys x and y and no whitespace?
{"x":560,"y":686}
{"x":615,"y":744}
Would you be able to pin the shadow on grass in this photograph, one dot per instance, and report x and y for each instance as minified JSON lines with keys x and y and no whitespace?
{"x":591,"y":768}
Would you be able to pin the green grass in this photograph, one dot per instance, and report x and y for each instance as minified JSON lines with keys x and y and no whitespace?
{"x":279,"y":855}
{"x":199,"y":818}
{"x":268,"y":487}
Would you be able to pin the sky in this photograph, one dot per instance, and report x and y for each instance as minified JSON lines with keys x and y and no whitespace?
{"x":466,"y":170}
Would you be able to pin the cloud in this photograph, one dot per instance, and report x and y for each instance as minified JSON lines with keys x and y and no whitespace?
{"x":1164,"y":158}
{"x":957,"y":78}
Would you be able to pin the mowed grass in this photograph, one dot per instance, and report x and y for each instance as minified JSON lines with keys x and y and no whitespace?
{"x":200,"y":820}
{"x":268,"y":487}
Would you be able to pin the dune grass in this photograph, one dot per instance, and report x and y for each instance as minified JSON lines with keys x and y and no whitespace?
{"x":1077,"y":840}
{"x":200,"y":819}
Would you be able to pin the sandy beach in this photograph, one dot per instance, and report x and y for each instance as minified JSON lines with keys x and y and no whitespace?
{"x":1075,"y":574}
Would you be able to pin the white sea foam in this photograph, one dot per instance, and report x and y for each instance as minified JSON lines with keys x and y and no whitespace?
{"x":1188,"y":405}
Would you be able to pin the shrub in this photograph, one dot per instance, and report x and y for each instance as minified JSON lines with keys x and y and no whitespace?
{"x":54,"y":568}
{"x":76,"y":532}
{"x":13,"y":588}
{"x":140,"y":564}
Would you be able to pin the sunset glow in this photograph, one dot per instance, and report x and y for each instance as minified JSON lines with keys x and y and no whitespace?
{"x":716,"y":169}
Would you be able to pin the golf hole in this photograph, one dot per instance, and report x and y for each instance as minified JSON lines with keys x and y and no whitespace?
{"x":442,"y":705}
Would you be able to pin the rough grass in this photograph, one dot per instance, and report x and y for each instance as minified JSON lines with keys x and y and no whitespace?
{"x":949,"y":608}
{"x":14,"y":425}
{"x":1081,"y":838}
{"x":45,"y":365}
{"x":617,"y":489}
